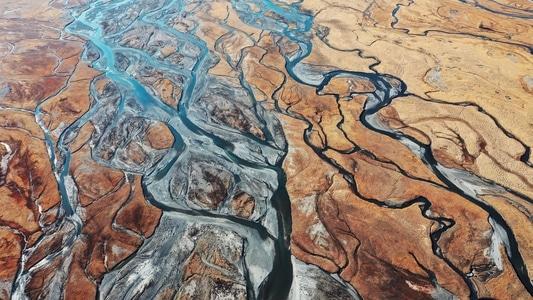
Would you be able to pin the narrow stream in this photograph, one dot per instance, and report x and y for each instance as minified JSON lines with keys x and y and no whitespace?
{"x":253,"y":165}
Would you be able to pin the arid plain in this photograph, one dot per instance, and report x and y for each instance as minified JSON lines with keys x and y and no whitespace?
{"x":315,"y":149}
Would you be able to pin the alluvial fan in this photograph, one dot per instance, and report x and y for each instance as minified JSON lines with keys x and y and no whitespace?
{"x":226,"y":149}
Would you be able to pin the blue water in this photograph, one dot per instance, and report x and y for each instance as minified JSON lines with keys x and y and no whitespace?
{"x":190,"y":134}
{"x":193,"y":138}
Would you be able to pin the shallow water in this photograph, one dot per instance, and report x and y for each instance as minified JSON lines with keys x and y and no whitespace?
{"x":238,"y":160}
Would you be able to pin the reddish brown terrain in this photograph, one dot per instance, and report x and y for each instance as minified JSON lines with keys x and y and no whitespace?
{"x":266,"y":150}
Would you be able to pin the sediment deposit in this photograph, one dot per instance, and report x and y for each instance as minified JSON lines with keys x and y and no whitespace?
{"x":221,"y":149}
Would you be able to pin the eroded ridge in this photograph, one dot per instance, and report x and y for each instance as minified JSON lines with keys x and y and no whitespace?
{"x":266,"y":150}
